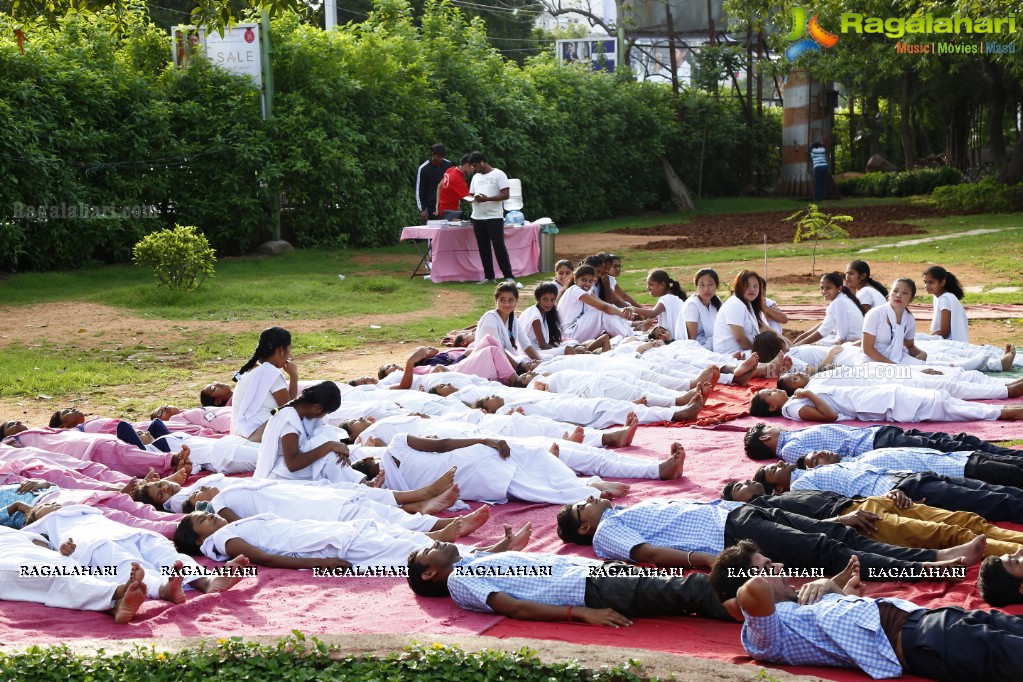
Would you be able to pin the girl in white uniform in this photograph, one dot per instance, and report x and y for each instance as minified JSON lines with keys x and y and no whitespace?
{"x":543,"y":325}
{"x":504,"y":326}
{"x":701,"y":310}
{"x":949,"y":315}
{"x":563,"y":274}
{"x":489,"y":470}
{"x":843,"y":319}
{"x":869,"y":292}
{"x":261,"y":387}
{"x":962,"y":384}
{"x":584,"y":317}
{"x":298,"y":445}
{"x":601,"y":385}
{"x":668,"y":310}
{"x":888,"y":402}
{"x":739,"y":320}
{"x":18,"y":550}
{"x":889,"y":331}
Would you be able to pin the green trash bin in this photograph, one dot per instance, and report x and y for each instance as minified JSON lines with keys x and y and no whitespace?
{"x":547,"y":258}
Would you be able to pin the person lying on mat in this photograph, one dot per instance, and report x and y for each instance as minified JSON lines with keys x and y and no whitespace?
{"x":855,"y":477}
{"x":977,"y":466}
{"x":893,"y":518}
{"x":827,"y":622}
{"x":77,"y":590}
{"x":85,"y":535}
{"x":271,"y":541}
{"x":767,"y":442}
{"x":690,"y":534}
{"x":1000,"y":581}
{"x":299,"y":501}
{"x":553,"y":587}
{"x":888,"y":402}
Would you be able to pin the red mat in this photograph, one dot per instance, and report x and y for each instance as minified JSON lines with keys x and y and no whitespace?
{"x":278,"y":601}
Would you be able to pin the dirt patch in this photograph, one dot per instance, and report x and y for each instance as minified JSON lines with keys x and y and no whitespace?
{"x":749,"y":228}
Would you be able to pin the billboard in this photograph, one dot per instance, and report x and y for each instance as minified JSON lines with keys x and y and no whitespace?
{"x":237,"y":50}
{"x":598,"y":53}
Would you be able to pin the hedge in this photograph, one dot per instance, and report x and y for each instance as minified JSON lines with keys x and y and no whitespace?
{"x":904,"y":184}
{"x":295,"y":658}
{"x":985,"y":196}
{"x":100,"y":119}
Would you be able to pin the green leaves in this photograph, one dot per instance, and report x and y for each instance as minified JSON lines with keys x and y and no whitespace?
{"x":298,"y":658}
{"x":181,"y":258}
{"x":812,"y":223}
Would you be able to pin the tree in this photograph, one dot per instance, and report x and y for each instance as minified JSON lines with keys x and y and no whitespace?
{"x":811,"y":222}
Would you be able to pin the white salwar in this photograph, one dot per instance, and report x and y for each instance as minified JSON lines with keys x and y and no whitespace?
{"x":102,"y":542}
{"x":82,"y":592}
{"x":891,"y":402}
{"x":311,"y":434}
{"x":253,"y":400}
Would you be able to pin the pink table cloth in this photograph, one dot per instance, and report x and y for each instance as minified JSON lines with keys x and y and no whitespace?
{"x":455,"y":257}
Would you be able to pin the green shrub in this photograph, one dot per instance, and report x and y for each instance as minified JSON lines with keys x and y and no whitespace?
{"x":905,"y":184}
{"x":181,"y":258}
{"x":985,"y":196}
{"x":295,"y":658}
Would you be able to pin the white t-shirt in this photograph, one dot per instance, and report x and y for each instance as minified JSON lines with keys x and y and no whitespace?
{"x":875,"y":322}
{"x":529,"y":316}
{"x":959,"y":327}
{"x":513,"y":340}
{"x":672,"y":319}
{"x":843,"y":321}
{"x":733,"y":311}
{"x":259,"y":412}
{"x":704,"y":316}
{"x":489,"y":184}
{"x":868,"y":295}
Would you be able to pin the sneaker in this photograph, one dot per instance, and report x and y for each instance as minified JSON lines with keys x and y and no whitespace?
{"x":485,"y":281}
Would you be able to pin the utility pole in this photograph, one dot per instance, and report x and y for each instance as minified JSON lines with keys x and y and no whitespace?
{"x":268,"y":114}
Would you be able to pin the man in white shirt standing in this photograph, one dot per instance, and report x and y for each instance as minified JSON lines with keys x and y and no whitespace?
{"x":489,"y":188}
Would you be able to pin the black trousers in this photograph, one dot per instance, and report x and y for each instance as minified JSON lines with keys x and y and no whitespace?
{"x":641,"y":596}
{"x":954,"y":645}
{"x":805,"y":543}
{"x":993,"y":502}
{"x":894,"y":437}
{"x":991,"y":469}
{"x":492,"y":232}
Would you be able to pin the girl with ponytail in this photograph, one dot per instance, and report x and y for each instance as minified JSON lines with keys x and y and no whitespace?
{"x":870,"y":292}
{"x":843,"y":320}
{"x":542,"y":326}
{"x":668,"y":309}
{"x":261,"y":386}
{"x":950,"y":320}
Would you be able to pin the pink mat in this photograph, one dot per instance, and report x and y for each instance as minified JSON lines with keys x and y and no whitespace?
{"x":278,"y":601}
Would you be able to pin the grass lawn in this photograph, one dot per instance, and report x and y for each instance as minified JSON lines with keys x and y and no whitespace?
{"x":377,"y":302}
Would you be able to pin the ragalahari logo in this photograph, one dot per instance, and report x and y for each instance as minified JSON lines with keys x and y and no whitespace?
{"x":819,"y":37}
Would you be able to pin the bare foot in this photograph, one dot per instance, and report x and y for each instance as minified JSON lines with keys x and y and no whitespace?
{"x":671,"y":468}
{"x":151,"y":477}
{"x":172,"y":590}
{"x":705,"y":388}
{"x":686,"y":397}
{"x":689,"y":411}
{"x":128,"y":604}
{"x":518,"y":542}
{"x":577,"y":435}
{"x":943,"y":566}
{"x":640,"y":401}
{"x":179,"y":477}
{"x":745,"y":370}
{"x":472,"y":521}
{"x":378,"y":481}
{"x":970,"y":553}
{"x":611,"y":489}
{"x":439,"y":503}
{"x":1010,"y":355}
{"x":222,"y":583}
{"x":555,"y":450}
{"x":441,"y":485}
{"x":851,"y":569}
{"x":131,"y":487}
{"x":448,"y":533}
{"x":711,"y":374}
